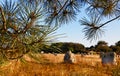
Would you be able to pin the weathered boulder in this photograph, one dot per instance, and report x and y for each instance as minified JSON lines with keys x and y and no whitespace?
{"x":69,"y":57}
{"x":108,"y":58}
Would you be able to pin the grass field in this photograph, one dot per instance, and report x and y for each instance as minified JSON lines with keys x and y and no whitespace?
{"x":52,"y":65}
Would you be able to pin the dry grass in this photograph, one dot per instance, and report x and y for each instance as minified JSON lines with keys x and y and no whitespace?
{"x":85,"y":66}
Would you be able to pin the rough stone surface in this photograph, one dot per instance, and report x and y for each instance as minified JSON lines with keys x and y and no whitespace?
{"x":69,"y":57}
{"x":108,"y":58}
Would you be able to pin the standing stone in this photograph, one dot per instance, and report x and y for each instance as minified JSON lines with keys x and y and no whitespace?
{"x":69,"y":57}
{"x":108,"y":58}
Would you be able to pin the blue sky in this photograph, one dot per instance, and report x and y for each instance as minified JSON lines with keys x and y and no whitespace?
{"x":73,"y":33}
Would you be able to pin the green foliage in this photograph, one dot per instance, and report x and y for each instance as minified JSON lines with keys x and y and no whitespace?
{"x":117,"y":43}
{"x":103,"y":49}
{"x":115,"y":49}
{"x":91,"y":48}
{"x":92,"y":28}
{"x":102,"y":43}
{"x":20,"y":29}
{"x":64,"y":47}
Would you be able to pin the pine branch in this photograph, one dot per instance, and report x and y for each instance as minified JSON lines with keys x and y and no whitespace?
{"x":29,"y":25}
{"x":109,"y":21}
{"x":63,"y":6}
{"x":3,"y":18}
{"x":59,"y":3}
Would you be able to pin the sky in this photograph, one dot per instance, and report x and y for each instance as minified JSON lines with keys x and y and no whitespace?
{"x":73,"y":33}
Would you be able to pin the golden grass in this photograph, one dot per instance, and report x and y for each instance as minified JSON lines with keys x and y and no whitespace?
{"x":57,"y":68}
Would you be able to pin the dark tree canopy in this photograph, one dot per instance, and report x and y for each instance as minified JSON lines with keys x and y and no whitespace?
{"x":103,"y":49}
{"x":115,"y":49}
{"x":103,"y":43}
{"x":117,"y":43}
{"x":63,"y":47}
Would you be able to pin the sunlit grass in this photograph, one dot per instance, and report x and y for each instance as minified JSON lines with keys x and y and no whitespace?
{"x":16,"y":68}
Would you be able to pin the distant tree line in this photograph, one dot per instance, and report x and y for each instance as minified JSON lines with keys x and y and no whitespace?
{"x":62,"y":47}
{"x":102,"y":46}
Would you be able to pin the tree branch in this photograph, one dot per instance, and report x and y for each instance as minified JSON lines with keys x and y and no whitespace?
{"x":63,"y":6}
{"x":29,"y":25}
{"x":109,"y":21}
{"x":3,"y":18}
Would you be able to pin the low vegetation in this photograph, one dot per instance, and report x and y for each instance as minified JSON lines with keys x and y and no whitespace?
{"x":47,"y":68}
